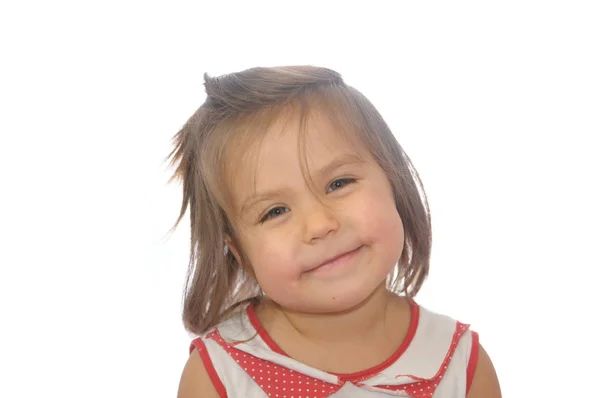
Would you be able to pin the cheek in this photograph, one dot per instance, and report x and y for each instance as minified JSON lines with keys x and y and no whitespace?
{"x":273,"y":264}
{"x":380,"y":224}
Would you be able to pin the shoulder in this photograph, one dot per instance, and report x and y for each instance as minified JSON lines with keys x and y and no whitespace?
{"x":195,"y":380}
{"x":199,"y":377}
{"x":485,"y":381}
{"x":482,"y":381}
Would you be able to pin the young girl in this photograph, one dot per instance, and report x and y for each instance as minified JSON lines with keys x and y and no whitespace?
{"x":310,"y":236}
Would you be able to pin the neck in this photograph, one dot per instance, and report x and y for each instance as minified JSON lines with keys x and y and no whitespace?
{"x":367,"y":319}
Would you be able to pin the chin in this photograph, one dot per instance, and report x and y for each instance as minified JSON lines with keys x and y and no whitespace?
{"x":335,"y":301}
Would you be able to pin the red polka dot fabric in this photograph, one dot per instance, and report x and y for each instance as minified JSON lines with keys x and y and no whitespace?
{"x":281,"y":382}
{"x":276,"y":380}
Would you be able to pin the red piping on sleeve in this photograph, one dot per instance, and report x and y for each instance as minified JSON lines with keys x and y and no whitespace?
{"x":473,"y":359}
{"x":208,"y":365}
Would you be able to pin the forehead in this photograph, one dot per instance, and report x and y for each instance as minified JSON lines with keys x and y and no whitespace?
{"x":290,"y":140}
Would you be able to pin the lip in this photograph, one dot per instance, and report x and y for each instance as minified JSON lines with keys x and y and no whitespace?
{"x":337,"y":261}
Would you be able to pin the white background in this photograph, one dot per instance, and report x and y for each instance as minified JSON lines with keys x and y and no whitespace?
{"x":497,"y":103}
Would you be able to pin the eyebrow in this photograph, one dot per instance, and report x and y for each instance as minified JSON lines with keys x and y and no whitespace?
{"x":342,"y":160}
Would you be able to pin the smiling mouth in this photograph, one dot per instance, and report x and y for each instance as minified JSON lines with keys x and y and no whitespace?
{"x":336,"y":261}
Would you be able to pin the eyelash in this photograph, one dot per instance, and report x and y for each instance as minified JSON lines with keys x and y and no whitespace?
{"x":268,"y":216}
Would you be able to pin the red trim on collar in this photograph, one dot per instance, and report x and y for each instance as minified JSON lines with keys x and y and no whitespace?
{"x":262,"y":332}
{"x":356,"y":376}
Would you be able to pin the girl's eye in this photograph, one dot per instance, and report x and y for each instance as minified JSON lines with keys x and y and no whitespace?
{"x":340,"y":183}
{"x":274,"y":212}
{"x":277,"y":211}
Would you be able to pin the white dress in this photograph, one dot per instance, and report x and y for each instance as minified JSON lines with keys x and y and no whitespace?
{"x":436,"y":359}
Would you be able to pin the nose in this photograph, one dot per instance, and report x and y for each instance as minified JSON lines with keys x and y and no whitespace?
{"x":320,"y":221}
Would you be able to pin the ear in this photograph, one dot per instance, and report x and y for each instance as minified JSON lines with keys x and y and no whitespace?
{"x":234,"y":250}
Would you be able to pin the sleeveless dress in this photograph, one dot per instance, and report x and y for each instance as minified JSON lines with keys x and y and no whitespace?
{"x":437,"y":359}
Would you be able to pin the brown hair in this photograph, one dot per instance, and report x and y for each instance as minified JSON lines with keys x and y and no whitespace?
{"x":238,"y":108}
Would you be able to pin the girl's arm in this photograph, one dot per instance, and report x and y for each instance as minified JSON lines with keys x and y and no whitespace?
{"x":195,"y":381}
{"x":485,"y":382}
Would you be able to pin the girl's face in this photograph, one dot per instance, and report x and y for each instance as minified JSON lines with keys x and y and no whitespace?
{"x":316,"y":254}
